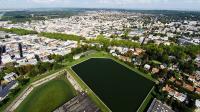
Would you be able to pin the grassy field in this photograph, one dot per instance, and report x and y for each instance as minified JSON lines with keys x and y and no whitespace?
{"x":24,"y":87}
{"x":48,"y":96}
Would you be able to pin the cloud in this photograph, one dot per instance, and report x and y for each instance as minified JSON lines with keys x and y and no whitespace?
{"x":140,"y":4}
{"x":129,"y":1}
{"x":39,"y":1}
{"x":145,"y":1}
{"x":47,"y":1}
{"x":116,"y":2}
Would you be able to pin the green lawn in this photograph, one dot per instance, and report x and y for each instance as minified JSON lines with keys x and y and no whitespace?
{"x":48,"y":96}
{"x":25,"y":86}
{"x":146,"y":102}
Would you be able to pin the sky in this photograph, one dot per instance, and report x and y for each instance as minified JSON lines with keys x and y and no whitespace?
{"x":123,"y":4}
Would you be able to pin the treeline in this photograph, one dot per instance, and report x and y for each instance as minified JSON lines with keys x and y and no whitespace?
{"x":61,"y":36}
{"x":180,"y":52}
{"x":30,"y":70}
{"x":114,"y":42}
{"x":18,"y":31}
{"x":173,"y":54}
{"x":69,"y":57}
{"x":24,"y":16}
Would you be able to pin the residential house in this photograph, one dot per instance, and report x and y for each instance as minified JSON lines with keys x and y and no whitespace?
{"x":147,"y":67}
{"x":197,"y":103}
{"x":197,"y":90}
{"x":188,"y":87}
{"x":177,"y":95}
{"x":180,"y":96}
{"x":154,"y":70}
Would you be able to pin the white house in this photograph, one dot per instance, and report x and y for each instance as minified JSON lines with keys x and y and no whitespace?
{"x":10,"y":77}
{"x":75,"y":57}
{"x":6,"y":59}
{"x":197,"y":103}
{"x":147,"y":67}
{"x":180,"y":96}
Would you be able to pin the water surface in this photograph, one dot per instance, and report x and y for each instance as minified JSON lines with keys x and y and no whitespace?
{"x":120,"y":88}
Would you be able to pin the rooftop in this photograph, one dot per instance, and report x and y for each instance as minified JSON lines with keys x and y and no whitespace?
{"x":158,"y":106}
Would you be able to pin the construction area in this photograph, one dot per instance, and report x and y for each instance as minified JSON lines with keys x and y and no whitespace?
{"x":80,"y":103}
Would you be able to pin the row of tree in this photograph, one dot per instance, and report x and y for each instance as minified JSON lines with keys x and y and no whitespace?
{"x":31,"y":70}
{"x":61,"y":36}
{"x":18,"y":31}
{"x":113,"y":42}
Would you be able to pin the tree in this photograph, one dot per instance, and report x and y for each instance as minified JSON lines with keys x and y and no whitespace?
{"x":57,"y":66}
{"x":7,"y":36}
{"x":113,"y":36}
{"x":61,"y":36}
{"x":37,"y":58}
{"x":23,"y":81}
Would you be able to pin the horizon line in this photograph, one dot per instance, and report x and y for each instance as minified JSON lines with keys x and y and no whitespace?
{"x":195,"y":10}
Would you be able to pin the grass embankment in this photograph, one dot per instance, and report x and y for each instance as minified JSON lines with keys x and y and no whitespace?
{"x":146,"y":102}
{"x":48,"y":96}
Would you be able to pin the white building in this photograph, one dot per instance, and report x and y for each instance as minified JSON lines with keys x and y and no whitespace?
{"x":197,"y":103}
{"x":147,"y":67}
{"x":180,"y":96}
{"x":10,"y":77}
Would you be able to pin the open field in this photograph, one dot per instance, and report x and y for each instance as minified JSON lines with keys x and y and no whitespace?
{"x":48,"y":96}
{"x":34,"y":79}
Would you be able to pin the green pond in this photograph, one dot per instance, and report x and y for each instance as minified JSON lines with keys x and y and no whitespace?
{"x":120,"y":88}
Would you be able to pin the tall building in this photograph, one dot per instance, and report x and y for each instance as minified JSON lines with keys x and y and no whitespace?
{"x":1,"y":52}
{"x":20,"y":49}
{"x":0,"y":60}
{"x":4,"y":48}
